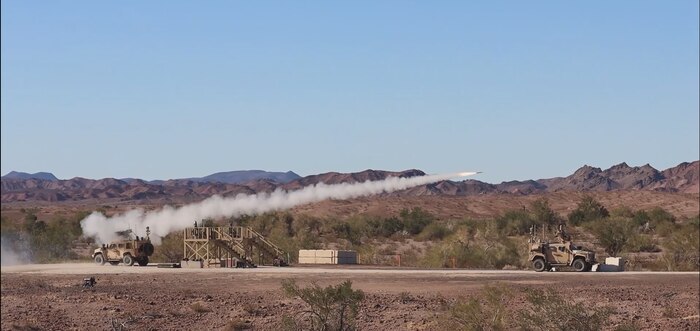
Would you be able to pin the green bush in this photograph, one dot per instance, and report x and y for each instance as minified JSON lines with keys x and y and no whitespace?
{"x":415,"y":220}
{"x":378,"y":227}
{"x":434,"y":231}
{"x":623,"y":211}
{"x":587,"y":210}
{"x":614,"y":234}
{"x":456,"y":254}
{"x":543,"y":214}
{"x":308,"y":231}
{"x":485,"y":311}
{"x":53,"y":242}
{"x":348,"y":232}
{"x":545,"y":310}
{"x":548,"y":310}
{"x":661,"y":222}
{"x":682,"y":248}
{"x":659,"y":215}
{"x":643,"y":243}
{"x":515,"y":222}
{"x":475,"y":245}
{"x":264,"y":223}
{"x":170,"y":249}
{"x":42,"y":242}
{"x":329,"y":308}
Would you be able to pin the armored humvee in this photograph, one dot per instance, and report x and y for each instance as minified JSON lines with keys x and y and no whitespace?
{"x":128,"y":250}
{"x":544,"y":255}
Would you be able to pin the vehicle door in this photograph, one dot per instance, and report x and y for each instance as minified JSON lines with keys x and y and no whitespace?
{"x":121,"y":248}
{"x":561,"y":254}
{"x":548,"y":252}
{"x":112,"y":252}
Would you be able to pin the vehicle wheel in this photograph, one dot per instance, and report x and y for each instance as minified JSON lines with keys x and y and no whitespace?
{"x":579,"y":265}
{"x":99,"y":259}
{"x":128,"y":260}
{"x":143,"y":261}
{"x":538,"y":265}
{"x":114,"y":262}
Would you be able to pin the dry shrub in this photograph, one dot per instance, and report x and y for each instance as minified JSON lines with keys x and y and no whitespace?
{"x":682,"y":248}
{"x":548,"y":310}
{"x":329,"y":308}
{"x":237,"y":324}
{"x":485,"y":311}
{"x":199,"y":307}
{"x":405,"y":297}
{"x":628,"y":326}
{"x":250,"y":308}
{"x":25,"y":327}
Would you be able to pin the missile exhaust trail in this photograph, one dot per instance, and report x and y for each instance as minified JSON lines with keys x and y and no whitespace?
{"x":169,"y":219}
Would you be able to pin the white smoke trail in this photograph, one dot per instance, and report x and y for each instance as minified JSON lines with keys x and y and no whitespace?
{"x":169,"y":219}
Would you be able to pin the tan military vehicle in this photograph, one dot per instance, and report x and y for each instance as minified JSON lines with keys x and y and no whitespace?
{"x":544,"y":255}
{"x":130,"y":250}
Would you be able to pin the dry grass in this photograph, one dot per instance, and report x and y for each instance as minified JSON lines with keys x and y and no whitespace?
{"x":237,"y":324}
{"x":199,"y":307}
{"x":251,"y":309}
{"x":25,"y":327}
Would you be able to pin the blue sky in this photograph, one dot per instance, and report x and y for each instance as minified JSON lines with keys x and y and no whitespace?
{"x":519,"y":90}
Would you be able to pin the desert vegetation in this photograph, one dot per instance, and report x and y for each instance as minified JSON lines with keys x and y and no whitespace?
{"x":32,"y":239}
{"x":543,"y":310}
{"x":424,"y":240}
{"x":331,"y":308}
{"x":652,"y":239}
{"x":336,"y":307}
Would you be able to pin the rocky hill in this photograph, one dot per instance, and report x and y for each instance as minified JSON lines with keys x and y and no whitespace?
{"x":684,"y":178}
{"x":228,"y":177}
{"x":24,"y":175}
{"x":242,"y":176}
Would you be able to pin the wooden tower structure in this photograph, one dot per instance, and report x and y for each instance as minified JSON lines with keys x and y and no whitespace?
{"x":215,"y":245}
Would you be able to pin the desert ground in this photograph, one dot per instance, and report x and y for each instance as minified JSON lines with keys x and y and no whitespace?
{"x":51,"y":297}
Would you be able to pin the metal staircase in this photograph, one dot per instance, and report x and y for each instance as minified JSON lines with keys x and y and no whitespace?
{"x":236,"y":250}
{"x":215,"y":244}
{"x":266,"y":247}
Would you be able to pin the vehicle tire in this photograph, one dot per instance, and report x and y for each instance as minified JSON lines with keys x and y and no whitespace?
{"x":539,"y":265}
{"x":99,"y":259}
{"x":143,"y":261}
{"x":114,"y":262}
{"x":579,"y":265}
{"x":128,"y":260}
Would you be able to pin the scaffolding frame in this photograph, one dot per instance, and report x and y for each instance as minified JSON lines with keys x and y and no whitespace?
{"x":215,"y":244}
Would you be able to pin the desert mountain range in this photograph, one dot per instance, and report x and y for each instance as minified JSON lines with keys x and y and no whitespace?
{"x":23,"y":187}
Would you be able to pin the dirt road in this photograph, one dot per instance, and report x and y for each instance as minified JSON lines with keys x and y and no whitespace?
{"x":150,"y":298}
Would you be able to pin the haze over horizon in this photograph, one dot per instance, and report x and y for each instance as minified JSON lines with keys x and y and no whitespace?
{"x":163,"y":90}
{"x":304,"y":175}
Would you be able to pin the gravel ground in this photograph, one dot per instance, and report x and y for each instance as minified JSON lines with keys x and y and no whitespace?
{"x":50,"y":297}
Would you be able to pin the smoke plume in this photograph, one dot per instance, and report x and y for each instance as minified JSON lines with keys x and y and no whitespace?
{"x":169,"y":219}
{"x":10,"y":254}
